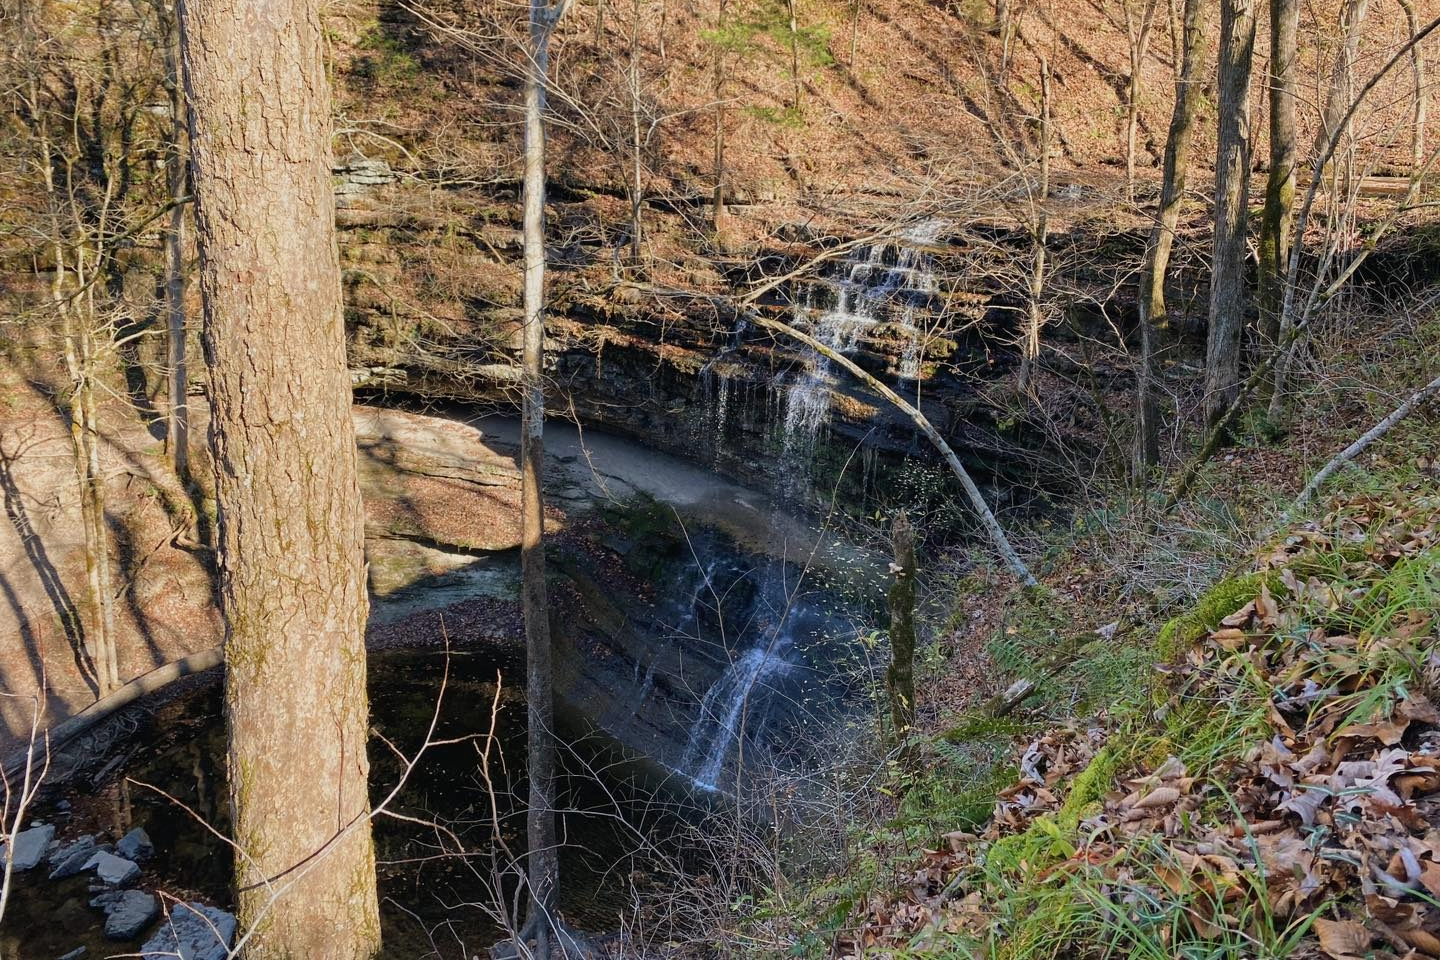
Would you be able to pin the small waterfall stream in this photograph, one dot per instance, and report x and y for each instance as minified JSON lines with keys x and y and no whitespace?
{"x":717,"y":731}
{"x":892,"y":285}
{"x":763,"y":634}
{"x":893,"y":282}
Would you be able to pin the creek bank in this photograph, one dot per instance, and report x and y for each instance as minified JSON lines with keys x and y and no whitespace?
{"x":631,"y":840}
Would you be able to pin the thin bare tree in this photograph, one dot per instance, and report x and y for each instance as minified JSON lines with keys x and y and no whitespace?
{"x":1232,"y":192}
{"x":1154,"y":315}
{"x":1280,"y":185}
{"x":542,"y":926}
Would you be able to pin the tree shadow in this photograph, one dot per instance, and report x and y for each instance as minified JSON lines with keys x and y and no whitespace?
{"x":129,"y":558}
{"x":66,"y":611}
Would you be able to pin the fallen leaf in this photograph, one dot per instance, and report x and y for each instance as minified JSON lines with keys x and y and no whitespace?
{"x":1159,"y":797}
{"x":1343,"y":939}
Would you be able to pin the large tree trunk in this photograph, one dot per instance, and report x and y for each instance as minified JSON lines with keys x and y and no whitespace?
{"x":1189,"y":88}
{"x":1232,"y":193}
{"x":291,"y":527}
{"x":1280,"y":187}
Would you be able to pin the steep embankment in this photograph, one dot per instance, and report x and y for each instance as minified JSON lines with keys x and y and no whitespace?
{"x":1258,"y":776}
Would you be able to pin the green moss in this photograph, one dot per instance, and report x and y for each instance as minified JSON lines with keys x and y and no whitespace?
{"x":1044,"y":843}
{"x":1223,"y":599}
{"x":981,"y":726}
{"x":1089,"y":785}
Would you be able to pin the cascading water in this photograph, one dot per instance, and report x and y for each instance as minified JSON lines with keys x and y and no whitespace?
{"x":891,"y":282}
{"x":755,"y":638}
{"x":717,"y":732}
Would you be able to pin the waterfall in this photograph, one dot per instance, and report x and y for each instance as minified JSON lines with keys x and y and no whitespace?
{"x":807,"y":404}
{"x":717,"y":730}
{"x":891,"y":282}
{"x":717,"y":387}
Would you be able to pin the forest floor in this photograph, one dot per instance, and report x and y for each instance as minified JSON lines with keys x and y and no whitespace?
{"x":1233,"y":749}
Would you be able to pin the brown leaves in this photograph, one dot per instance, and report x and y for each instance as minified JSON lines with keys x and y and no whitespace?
{"x":1343,"y":939}
{"x":1325,"y":791}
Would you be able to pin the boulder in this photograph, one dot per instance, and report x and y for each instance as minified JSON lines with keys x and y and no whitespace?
{"x":193,"y":932}
{"x":136,"y":846}
{"x":71,"y":858}
{"x":30,"y":847}
{"x":116,"y":871}
{"x":127,"y":912}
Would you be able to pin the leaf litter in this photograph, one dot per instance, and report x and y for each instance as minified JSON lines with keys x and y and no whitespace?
{"x":1323,"y":818}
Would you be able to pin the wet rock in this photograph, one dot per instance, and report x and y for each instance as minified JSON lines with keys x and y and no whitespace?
{"x":193,"y":932}
{"x":71,"y":858}
{"x":127,"y":912}
{"x":74,"y":954}
{"x":136,"y":846}
{"x":116,"y":871}
{"x":30,"y":847}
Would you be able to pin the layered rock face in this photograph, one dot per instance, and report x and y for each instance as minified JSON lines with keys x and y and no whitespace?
{"x":431,"y":311}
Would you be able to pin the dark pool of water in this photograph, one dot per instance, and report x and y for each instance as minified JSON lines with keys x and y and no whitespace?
{"x":444,"y":882}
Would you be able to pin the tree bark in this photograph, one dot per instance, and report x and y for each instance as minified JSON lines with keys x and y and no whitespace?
{"x":543,"y":859}
{"x":1422,"y":96}
{"x":1232,"y":193}
{"x":1336,"y":118}
{"x":1280,"y":186}
{"x":900,"y":677}
{"x":718,"y":204}
{"x":291,"y":528}
{"x":795,"y":79}
{"x":178,"y":421}
{"x":1039,"y":238}
{"x":637,"y":142}
{"x":1137,"y":31}
{"x":1154,"y":318}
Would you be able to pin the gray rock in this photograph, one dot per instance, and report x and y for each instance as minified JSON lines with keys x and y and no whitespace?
{"x":74,"y":954}
{"x":71,"y":858}
{"x":127,"y":912}
{"x":193,"y":932}
{"x":136,"y":846}
{"x":116,"y":871}
{"x":30,"y":847}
